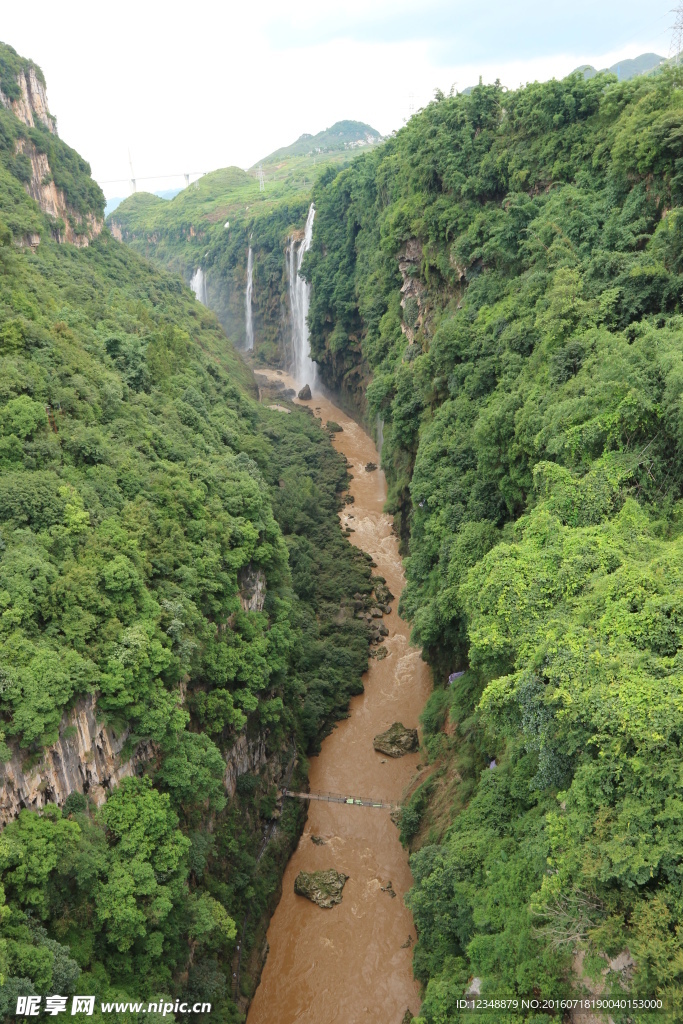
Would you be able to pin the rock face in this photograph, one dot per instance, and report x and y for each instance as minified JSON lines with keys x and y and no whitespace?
{"x":245,"y":755}
{"x":322,"y":887}
{"x":252,"y":584}
{"x":85,"y":759}
{"x":409,"y":263}
{"x":31,"y":108}
{"x":305,"y":393}
{"x":396,"y":741}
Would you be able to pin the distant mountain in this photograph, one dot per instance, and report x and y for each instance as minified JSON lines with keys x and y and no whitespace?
{"x":112,"y":204}
{"x":343,"y":135}
{"x":625,"y":69}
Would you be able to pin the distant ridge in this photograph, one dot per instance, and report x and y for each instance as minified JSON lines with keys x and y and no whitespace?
{"x":626,"y":69}
{"x":343,"y":135}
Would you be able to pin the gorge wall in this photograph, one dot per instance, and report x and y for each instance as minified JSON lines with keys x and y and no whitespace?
{"x":38,"y":145}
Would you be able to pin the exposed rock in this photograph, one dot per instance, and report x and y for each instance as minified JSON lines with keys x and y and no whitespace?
{"x":382,"y":630}
{"x":318,"y":840}
{"x":333,"y":427}
{"x":85,"y":759}
{"x":32,"y":108}
{"x":252,"y":584}
{"x":396,"y":741}
{"x":322,"y":887}
{"x":380,"y":654}
{"x":305,"y":393}
{"x":376,"y":613}
{"x":408,"y":1015}
{"x":412,"y":290}
{"x":370,"y":467}
{"x":245,"y":755}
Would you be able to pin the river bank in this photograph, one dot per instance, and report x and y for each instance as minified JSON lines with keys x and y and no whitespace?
{"x":354,"y":962}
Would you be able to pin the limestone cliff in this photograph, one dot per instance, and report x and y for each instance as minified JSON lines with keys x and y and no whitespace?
{"x":31,"y":108}
{"x":85,"y":759}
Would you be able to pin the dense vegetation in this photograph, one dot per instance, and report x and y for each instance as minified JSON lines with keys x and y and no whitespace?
{"x":142,"y":490}
{"x":214,"y":221}
{"x":501,"y":284}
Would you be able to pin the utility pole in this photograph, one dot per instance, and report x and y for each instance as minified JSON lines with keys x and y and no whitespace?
{"x":261,"y":179}
{"x":133,"y":185}
{"x":677,"y":34}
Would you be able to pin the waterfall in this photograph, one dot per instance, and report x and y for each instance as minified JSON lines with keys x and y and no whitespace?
{"x":302,"y":366}
{"x":250,"y":285}
{"x":198,"y":285}
{"x":380,"y":435}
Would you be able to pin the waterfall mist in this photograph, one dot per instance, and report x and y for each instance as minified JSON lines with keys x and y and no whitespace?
{"x":250,"y":285}
{"x":302,"y":367}
{"x":198,"y":285}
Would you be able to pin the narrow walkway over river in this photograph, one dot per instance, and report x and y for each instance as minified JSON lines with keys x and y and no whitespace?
{"x":338,"y":798}
{"x":353,"y":964}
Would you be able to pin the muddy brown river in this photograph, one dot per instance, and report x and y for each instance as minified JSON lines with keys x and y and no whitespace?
{"x":353,"y":964}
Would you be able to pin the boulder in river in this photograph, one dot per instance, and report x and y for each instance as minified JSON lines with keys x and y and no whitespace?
{"x":322,"y":887}
{"x":396,"y":741}
{"x":370,"y":467}
{"x":305,"y":393}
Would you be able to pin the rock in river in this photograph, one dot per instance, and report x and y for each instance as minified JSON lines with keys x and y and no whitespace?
{"x":305,"y":393}
{"x":396,"y":741}
{"x":323,"y":887}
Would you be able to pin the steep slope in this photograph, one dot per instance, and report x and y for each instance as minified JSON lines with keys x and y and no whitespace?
{"x":213,"y":223}
{"x":176,"y":611}
{"x":500,"y":286}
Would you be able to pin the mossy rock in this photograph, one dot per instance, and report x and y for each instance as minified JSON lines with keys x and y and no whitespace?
{"x":322,"y":887}
{"x":396,"y":741}
{"x":333,"y":427}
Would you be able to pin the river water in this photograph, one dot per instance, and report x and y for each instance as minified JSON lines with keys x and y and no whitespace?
{"x":353,"y":964}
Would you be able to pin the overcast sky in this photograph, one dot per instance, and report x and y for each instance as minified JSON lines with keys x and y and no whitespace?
{"x":200,"y":85}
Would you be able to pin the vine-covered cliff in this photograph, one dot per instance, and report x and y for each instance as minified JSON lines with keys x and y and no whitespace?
{"x":501,"y":285}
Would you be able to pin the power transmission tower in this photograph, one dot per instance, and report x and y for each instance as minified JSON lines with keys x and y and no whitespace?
{"x":133,"y":185}
{"x":261,"y":179}
{"x":677,"y":34}
{"x":411,"y":105}
{"x":187,"y":180}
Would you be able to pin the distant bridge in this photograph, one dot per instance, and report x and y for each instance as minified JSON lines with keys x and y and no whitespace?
{"x":339,"y":798}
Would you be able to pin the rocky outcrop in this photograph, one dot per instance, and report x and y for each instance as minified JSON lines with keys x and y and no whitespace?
{"x":31,"y":108}
{"x":396,"y":741}
{"x":32,"y":104}
{"x":305,"y":393}
{"x":252,"y":584}
{"x":85,"y":759}
{"x":245,"y":755}
{"x":412,"y":289}
{"x":52,"y":200}
{"x":322,"y":887}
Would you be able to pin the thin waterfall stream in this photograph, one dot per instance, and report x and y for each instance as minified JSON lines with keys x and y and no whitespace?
{"x":198,"y":285}
{"x":301,"y":366}
{"x":247,"y":300}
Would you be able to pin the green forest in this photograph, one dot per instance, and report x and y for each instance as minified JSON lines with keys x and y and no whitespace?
{"x":498,"y":287}
{"x":141,"y":486}
{"x":501,"y":285}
